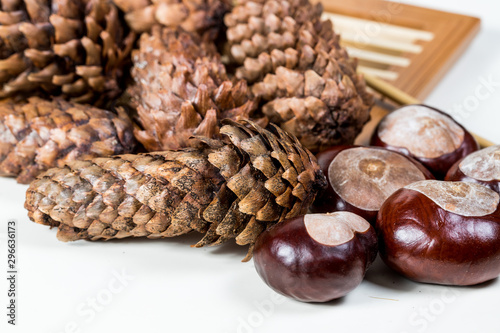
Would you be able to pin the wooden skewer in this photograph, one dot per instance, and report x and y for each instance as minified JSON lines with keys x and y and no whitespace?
{"x":381,"y":73}
{"x":350,"y":37}
{"x":390,"y":31}
{"x":389,"y":90}
{"x":403,"y":98}
{"x":378,"y":57}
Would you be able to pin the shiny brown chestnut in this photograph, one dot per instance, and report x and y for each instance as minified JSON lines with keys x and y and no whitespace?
{"x":441,"y":232}
{"x":482,"y":167}
{"x":316,"y":257}
{"x":361,"y":178}
{"x":428,"y":135}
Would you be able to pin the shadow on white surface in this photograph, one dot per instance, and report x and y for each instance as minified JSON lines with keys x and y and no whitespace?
{"x":229,"y":248}
{"x":382,"y":276}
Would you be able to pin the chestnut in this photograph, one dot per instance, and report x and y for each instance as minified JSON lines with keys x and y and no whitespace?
{"x":430,"y":136}
{"x":361,"y":178}
{"x":316,"y":257}
{"x":441,"y":232}
{"x":482,"y":167}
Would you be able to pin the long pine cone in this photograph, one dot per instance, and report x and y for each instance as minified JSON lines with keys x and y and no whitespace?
{"x":77,"y":49}
{"x":37,"y":135}
{"x":234,"y":188}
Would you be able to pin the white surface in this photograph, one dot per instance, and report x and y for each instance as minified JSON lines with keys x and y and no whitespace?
{"x":181,"y":289}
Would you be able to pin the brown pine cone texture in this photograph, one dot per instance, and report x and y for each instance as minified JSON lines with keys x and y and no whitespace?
{"x":286,"y":66}
{"x":181,"y":89}
{"x":295,"y":62}
{"x":204,"y":17}
{"x":234,"y":188}
{"x":77,"y":49}
{"x":38,"y":134}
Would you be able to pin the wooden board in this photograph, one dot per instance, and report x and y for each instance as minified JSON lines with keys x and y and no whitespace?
{"x":452,"y":35}
{"x":430,"y":41}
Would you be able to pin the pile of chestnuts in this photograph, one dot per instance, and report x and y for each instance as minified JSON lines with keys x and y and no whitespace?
{"x":423,"y":196}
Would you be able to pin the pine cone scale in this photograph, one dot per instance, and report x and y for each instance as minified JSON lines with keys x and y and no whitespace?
{"x":201,"y":17}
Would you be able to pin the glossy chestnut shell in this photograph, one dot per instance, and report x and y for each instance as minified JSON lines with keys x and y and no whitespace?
{"x":431,"y":130}
{"x":371,"y":175}
{"x":428,"y":243}
{"x":295,"y":264}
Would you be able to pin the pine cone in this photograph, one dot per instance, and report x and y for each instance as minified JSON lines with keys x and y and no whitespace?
{"x":294,"y":61}
{"x":234,"y":188}
{"x":39,"y":134}
{"x":77,"y":49}
{"x":181,"y":88}
{"x":204,"y":17}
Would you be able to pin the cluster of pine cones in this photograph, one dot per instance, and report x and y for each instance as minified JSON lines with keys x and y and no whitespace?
{"x":227,"y":99}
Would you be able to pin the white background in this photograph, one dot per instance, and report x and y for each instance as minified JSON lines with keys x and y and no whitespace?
{"x":172,"y":287}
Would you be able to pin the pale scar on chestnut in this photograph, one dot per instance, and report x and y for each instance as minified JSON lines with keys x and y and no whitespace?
{"x":482,"y":165}
{"x":437,"y":134}
{"x":335,"y":228}
{"x":466,"y":199}
{"x":365,"y":177}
